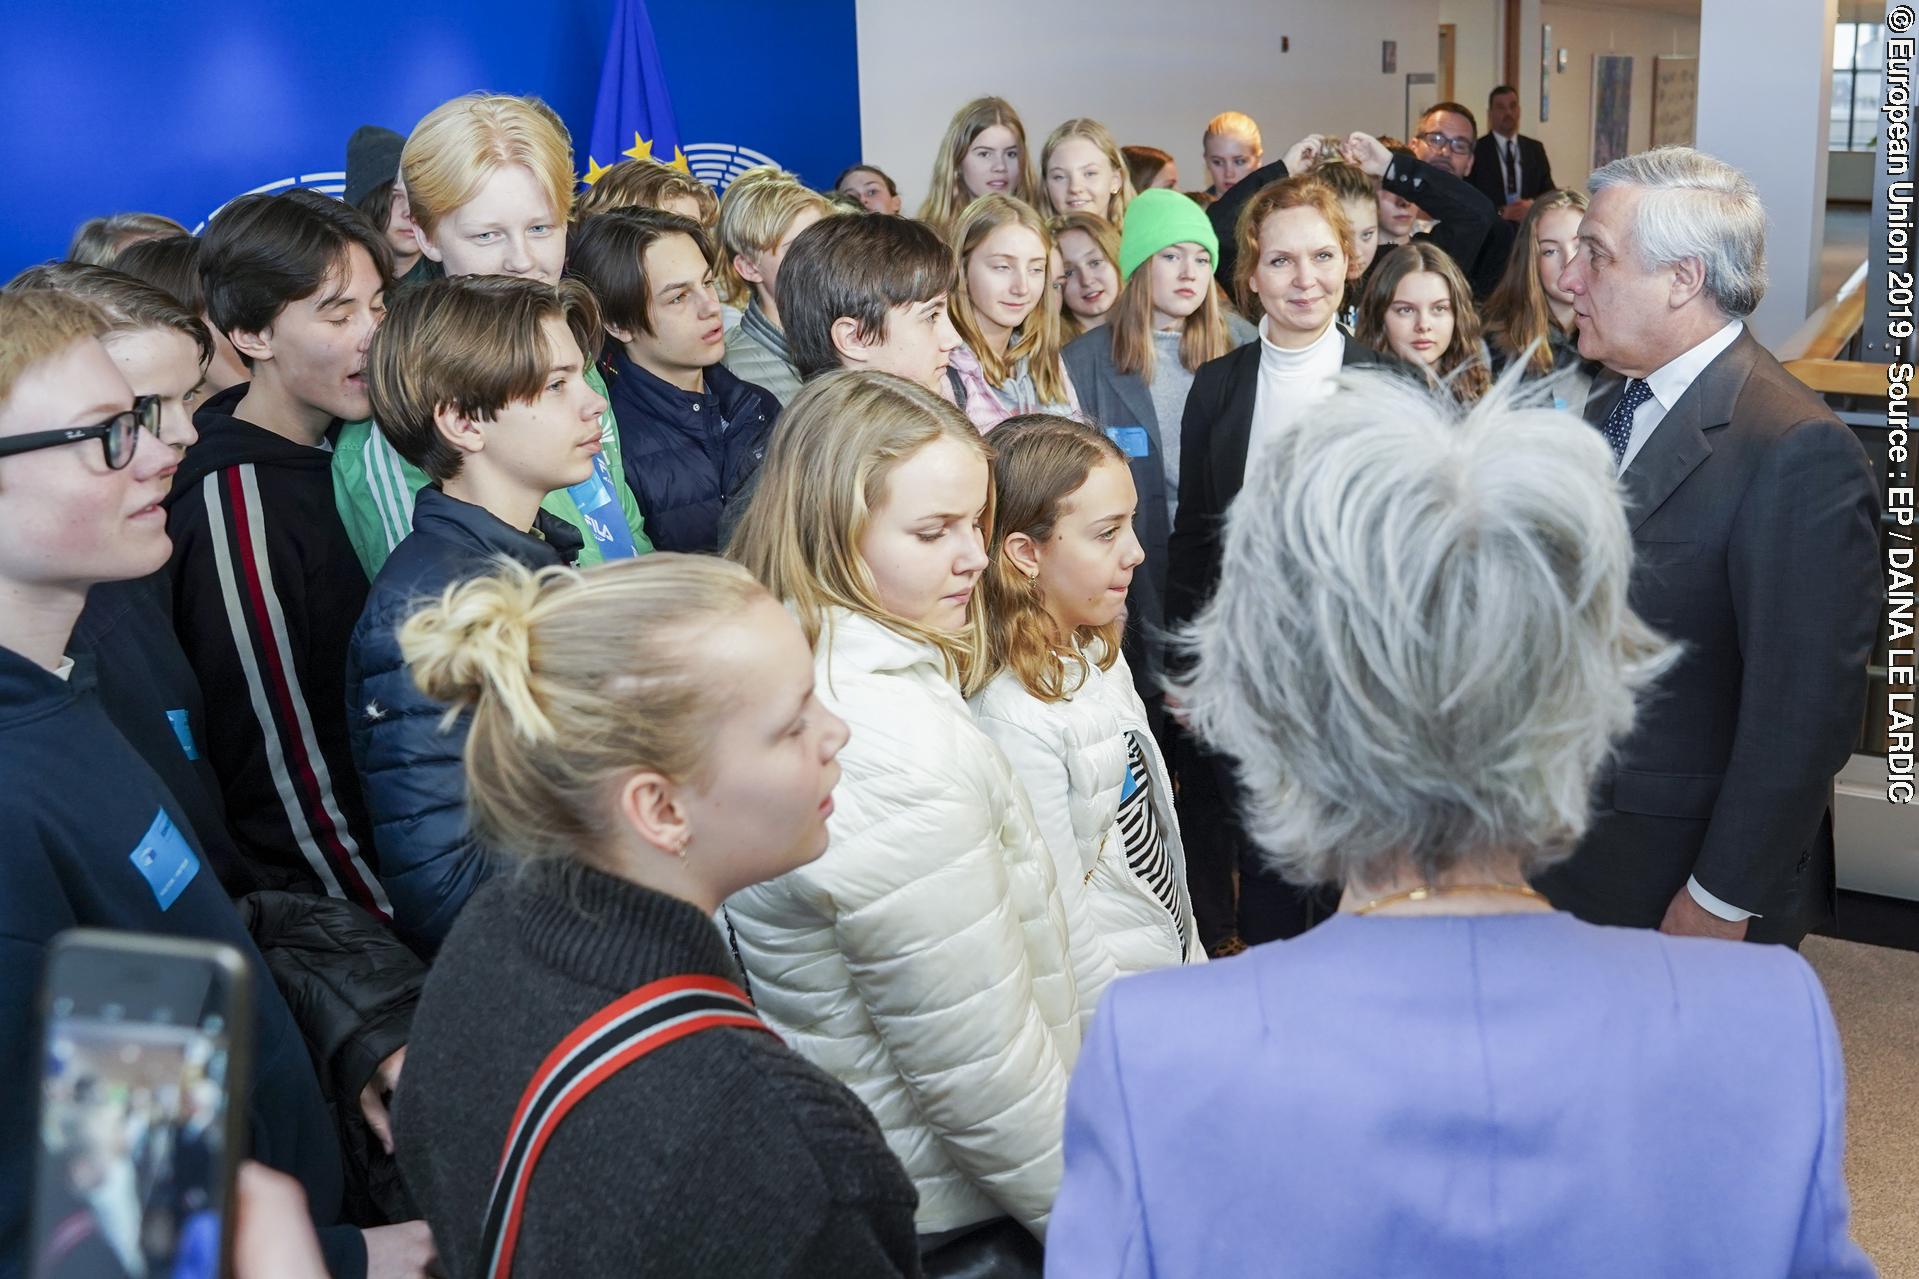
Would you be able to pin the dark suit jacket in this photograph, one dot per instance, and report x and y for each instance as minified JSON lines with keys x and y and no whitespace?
{"x":1754,"y":518}
{"x":1489,"y":171}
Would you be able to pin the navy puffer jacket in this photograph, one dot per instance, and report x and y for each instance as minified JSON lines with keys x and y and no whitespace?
{"x":410,"y":769}
{"x":687,"y":455}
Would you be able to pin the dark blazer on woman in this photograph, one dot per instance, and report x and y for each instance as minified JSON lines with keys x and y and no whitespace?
{"x":1212,"y":466}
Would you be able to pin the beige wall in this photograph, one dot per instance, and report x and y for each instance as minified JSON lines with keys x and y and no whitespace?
{"x":1151,"y":71}
{"x":1584,"y":30}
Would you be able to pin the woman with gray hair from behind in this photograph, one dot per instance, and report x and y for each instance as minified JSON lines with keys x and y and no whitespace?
{"x":1420,"y":652}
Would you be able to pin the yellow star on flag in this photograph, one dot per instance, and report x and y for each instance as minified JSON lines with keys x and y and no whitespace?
{"x":679,"y":161}
{"x":640,"y":150}
{"x":594,"y":170}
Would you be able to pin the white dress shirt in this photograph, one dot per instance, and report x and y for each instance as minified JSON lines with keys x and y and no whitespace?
{"x":1500,"y":144}
{"x":1667,"y":383}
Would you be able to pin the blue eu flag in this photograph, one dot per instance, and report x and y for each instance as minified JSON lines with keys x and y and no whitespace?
{"x":633,"y":118}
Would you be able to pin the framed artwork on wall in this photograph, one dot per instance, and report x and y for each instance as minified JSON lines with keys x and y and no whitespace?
{"x":1675,"y":101}
{"x":1546,"y":72}
{"x":1612,"y":106}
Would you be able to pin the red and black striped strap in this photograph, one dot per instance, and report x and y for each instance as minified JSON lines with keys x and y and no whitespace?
{"x":616,"y":1036}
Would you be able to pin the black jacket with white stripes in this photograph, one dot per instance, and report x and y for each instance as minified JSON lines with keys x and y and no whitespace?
{"x":266,"y":590}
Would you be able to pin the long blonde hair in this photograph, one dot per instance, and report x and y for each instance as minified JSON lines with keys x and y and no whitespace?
{"x":1043,"y":460}
{"x":1519,"y":314}
{"x":1461,"y":366}
{"x":831,"y":457}
{"x":575,"y":678}
{"x":1204,"y":336}
{"x":1037,"y":340}
{"x":946,"y":193}
{"x":1096,"y":133}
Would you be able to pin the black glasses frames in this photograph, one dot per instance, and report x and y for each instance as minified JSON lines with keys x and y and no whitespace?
{"x":1442,"y":142}
{"x":119,"y":435}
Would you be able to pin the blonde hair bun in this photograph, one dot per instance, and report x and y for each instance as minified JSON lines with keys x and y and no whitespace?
{"x":476,"y":642}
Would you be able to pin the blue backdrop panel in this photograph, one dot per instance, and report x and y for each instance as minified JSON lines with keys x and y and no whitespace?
{"x":176,"y":108}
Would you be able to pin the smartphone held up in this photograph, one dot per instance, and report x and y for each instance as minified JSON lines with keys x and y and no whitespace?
{"x":143,"y":1067}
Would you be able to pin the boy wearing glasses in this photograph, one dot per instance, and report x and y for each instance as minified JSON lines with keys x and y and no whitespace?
{"x":145,"y":684}
{"x":266,"y":587}
{"x":95,"y":839}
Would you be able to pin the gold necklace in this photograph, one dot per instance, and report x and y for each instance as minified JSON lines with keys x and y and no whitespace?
{"x":1427,"y":893}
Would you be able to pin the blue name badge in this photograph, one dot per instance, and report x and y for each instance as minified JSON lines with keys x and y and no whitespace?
{"x":163,"y":857}
{"x":183,"y":729}
{"x":599,"y":505}
{"x":1133,"y":441}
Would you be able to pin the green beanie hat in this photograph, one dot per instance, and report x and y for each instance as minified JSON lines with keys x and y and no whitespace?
{"x":1158,"y":218}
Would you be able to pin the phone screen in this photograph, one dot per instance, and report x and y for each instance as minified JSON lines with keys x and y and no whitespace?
{"x":132,"y":1171}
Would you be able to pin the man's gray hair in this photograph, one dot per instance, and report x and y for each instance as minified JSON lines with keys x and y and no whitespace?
{"x":1697,"y":207}
{"x":1421,"y":651}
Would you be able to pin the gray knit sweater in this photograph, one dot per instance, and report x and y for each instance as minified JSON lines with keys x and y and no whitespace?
{"x":723,"y":1153}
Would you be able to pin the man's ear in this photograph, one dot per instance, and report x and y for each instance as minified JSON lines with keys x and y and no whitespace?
{"x":618,"y":334}
{"x":748,"y":271}
{"x":1688,"y":279}
{"x":459,"y":430}
{"x":255,"y":346}
{"x":854,"y":350}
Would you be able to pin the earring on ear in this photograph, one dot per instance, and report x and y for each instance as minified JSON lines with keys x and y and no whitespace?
{"x":679,"y":849}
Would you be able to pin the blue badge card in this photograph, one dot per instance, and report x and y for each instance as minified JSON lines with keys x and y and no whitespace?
{"x":166,"y":861}
{"x":599,"y":504}
{"x":1128,"y":786}
{"x":183,"y":729}
{"x":1133,"y":441}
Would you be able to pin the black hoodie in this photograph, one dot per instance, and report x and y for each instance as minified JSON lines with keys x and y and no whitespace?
{"x":266,"y":590}
{"x":78,"y":808}
{"x":153,"y":697}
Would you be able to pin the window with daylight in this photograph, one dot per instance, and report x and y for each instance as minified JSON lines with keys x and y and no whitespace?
{"x":1858,"y":69}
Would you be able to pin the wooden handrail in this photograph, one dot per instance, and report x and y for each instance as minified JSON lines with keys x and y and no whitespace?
{"x":1841,"y":377}
{"x":1826,"y":331}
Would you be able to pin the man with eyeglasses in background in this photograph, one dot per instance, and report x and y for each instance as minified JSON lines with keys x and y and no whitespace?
{"x":1452,"y":213}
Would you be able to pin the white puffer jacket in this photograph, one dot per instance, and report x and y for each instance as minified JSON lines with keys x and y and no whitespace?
{"x":925,"y":960}
{"x":1071,"y":757}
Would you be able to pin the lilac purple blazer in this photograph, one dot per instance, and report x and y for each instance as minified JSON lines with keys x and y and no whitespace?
{"x":1513,"y":1095}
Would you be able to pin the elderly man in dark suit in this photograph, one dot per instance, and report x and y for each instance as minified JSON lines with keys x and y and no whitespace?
{"x":1511,"y":168}
{"x":1754,"y":518}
